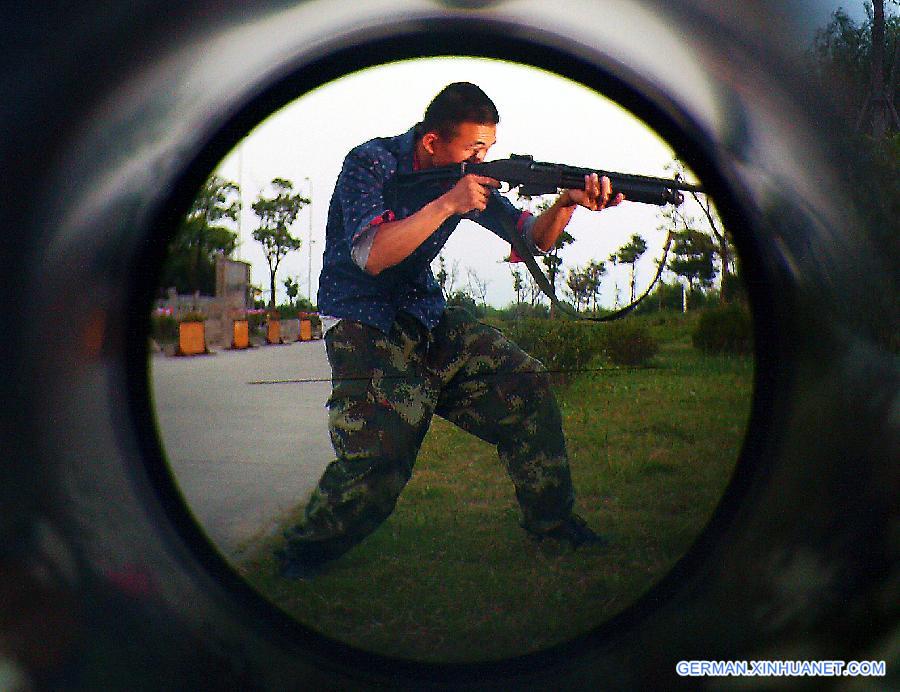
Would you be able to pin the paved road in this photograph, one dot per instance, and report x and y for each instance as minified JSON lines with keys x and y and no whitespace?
{"x":244,"y":454}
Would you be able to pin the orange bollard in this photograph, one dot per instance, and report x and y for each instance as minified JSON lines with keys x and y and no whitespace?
{"x":241,"y":334}
{"x":273,"y":333}
{"x":191,"y":338}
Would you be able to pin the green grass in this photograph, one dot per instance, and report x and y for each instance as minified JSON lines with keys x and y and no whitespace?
{"x":451,"y":576}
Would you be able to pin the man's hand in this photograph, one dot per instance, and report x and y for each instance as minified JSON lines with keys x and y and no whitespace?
{"x":471,"y":193}
{"x":397,"y":240}
{"x":597,"y":194}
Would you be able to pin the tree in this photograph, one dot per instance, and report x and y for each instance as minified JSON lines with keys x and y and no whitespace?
{"x":292,"y":288}
{"x":276,"y":215}
{"x":535,"y":294}
{"x":576,"y":283}
{"x":445,"y":277}
{"x":614,"y":261}
{"x":190,"y":262}
{"x":552,"y":261}
{"x":630,"y":253}
{"x":676,"y":219}
{"x":477,"y":286}
{"x":595,"y":271}
{"x":858,"y":63}
{"x":584,"y":284}
{"x":693,"y":258}
{"x":464,"y":300}
{"x":441,"y":276}
{"x":518,"y":284}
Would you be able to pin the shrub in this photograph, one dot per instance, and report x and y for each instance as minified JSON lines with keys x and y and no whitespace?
{"x":725,"y":329}
{"x":164,"y":328}
{"x":561,"y":345}
{"x":628,"y":343}
{"x":255,"y":319}
{"x":192,"y":316}
{"x":523,"y":311}
{"x":287,"y":311}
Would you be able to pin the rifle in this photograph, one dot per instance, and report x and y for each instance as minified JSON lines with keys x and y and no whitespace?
{"x":535,"y":178}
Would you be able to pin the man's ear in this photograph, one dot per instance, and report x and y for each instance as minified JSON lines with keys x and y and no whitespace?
{"x":428,"y":140}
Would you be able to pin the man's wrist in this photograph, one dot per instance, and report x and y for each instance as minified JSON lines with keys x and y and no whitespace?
{"x":444,"y":206}
{"x":565,"y":200}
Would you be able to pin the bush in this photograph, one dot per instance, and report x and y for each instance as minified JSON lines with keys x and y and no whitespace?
{"x":726,"y":329}
{"x":192,"y":316}
{"x":256,"y":318}
{"x":523,"y":311}
{"x":561,"y":345}
{"x":629,"y":343}
{"x":164,"y":328}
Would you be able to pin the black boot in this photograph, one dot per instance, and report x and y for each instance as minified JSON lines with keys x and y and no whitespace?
{"x":300,"y":561}
{"x":576,"y":532}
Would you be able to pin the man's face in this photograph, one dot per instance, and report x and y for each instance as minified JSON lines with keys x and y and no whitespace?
{"x":470,"y":142}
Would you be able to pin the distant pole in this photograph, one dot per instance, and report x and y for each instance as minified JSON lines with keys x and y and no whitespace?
{"x":240,"y":242}
{"x":310,"y":244}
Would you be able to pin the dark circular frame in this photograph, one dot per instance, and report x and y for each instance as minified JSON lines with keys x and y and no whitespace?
{"x":452,"y":40}
{"x":813,"y":485}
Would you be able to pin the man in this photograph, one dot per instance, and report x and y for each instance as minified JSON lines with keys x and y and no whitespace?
{"x":399,"y":355}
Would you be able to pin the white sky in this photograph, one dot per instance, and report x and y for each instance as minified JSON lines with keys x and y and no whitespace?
{"x":552,"y":118}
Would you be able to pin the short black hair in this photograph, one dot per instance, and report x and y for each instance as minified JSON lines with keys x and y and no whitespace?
{"x":460,"y":102}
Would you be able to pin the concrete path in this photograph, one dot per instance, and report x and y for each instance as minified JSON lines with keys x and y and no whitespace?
{"x":244,"y":454}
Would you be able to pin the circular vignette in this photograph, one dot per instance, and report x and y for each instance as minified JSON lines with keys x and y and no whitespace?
{"x":449,"y":38}
{"x":816,"y":500}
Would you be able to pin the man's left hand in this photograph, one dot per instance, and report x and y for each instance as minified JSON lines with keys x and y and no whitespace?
{"x":597,"y":194}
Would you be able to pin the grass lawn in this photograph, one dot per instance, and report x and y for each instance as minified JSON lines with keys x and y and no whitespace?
{"x":451,"y":577}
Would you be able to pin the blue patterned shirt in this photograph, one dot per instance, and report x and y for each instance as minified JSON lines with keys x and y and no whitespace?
{"x":366,"y":196}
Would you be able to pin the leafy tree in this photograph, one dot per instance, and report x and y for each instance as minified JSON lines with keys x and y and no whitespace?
{"x":575,"y":281}
{"x":552,"y":261}
{"x":441,"y":276}
{"x":464,"y":300}
{"x":594,"y":273}
{"x":292,"y":288}
{"x":859,"y":65}
{"x":693,"y":258}
{"x":723,"y":243}
{"x":584,"y":284}
{"x":190,"y":262}
{"x":446,"y":277}
{"x":630,"y":253}
{"x":276,"y":215}
{"x":518,"y":284}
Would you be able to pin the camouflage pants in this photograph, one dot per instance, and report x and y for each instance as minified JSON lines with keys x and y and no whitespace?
{"x":386,"y":389}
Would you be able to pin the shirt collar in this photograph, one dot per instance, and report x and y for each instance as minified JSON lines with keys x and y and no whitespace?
{"x":407,"y":161}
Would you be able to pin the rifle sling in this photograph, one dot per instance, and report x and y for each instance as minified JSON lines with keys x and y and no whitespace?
{"x":519,"y":245}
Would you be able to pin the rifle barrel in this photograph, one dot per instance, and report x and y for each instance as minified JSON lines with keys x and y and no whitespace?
{"x":536,"y":178}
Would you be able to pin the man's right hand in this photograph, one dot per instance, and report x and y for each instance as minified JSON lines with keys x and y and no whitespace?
{"x":396,"y":240}
{"x":471,"y":193}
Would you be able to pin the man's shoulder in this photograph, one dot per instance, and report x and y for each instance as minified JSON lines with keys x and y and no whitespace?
{"x":384,"y":150}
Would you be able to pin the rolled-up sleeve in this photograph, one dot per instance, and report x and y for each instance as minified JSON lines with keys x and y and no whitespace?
{"x":360,"y":192}
{"x":502,"y":216}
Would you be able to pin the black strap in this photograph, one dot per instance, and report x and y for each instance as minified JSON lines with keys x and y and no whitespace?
{"x":524,"y":252}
